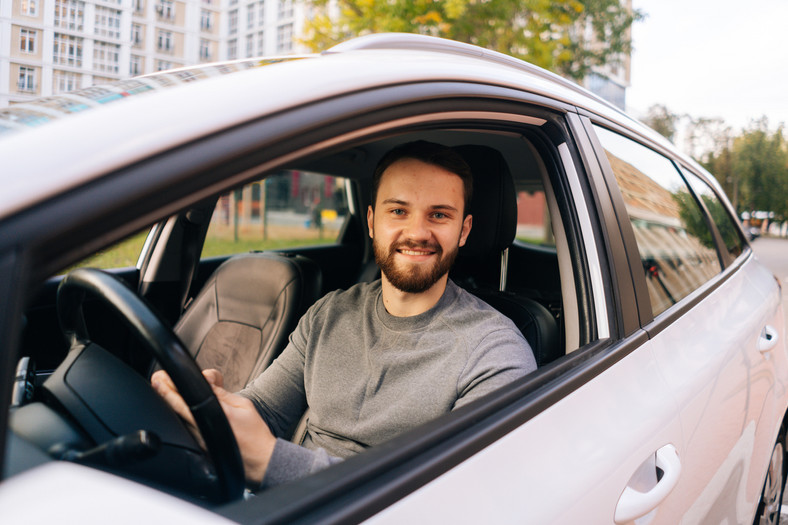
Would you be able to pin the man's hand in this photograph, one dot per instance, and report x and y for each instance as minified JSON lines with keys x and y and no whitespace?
{"x":255,"y":440}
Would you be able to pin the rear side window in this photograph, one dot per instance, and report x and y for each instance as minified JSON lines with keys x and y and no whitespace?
{"x":676,"y":247}
{"x":286,"y":210}
{"x":722,"y":219}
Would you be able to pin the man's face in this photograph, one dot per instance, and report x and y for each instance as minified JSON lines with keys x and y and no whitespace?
{"x":417,"y":225}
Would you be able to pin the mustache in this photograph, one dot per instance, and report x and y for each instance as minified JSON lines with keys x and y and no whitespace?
{"x":424,"y":245}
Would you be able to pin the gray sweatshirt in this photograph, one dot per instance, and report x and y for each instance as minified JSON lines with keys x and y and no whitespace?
{"x":367,"y":376}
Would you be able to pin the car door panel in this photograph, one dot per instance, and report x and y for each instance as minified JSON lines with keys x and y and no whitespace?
{"x":549,"y":469}
{"x":728,"y":395}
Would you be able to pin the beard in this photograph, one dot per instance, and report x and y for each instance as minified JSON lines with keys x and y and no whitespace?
{"x":412,"y":277}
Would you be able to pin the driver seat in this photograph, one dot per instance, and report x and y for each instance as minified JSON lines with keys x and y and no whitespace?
{"x":240,"y":320}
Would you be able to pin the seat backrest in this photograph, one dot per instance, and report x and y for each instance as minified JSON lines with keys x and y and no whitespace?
{"x":481,"y":264}
{"x":240,"y":320}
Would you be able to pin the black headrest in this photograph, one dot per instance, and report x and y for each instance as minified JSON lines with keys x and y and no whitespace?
{"x":494,"y":203}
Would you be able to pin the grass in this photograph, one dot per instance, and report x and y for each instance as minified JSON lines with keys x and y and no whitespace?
{"x":127,"y":252}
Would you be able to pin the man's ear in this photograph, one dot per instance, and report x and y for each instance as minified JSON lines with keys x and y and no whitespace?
{"x":466,"y":229}
{"x":370,"y":217}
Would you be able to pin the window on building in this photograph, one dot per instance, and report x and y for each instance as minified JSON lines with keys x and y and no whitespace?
{"x":260,"y":12}
{"x":260,"y":42}
{"x":135,"y":65}
{"x":285,"y":9}
{"x":284,"y":38}
{"x":232,"y":22}
{"x":139,"y":6}
{"x":165,"y":41}
{"x":673,"y":237}
{"x":27,"y":80}
{"x":166,"y":9}
{"x":136,"y":35}
{"x":67,"y":50}
{"x":232,"y":49}
{"x":106,"y":57}
{"x":250,"y":17}
{"x":206,"y":20}
{"x":205,"y":49}
{"x":64,"y":81}
{"x":249,"y":46}
{"x":107,"y":22}
{"x":70,"y":14}
{"x":30,"y":7}
{"x":163,"y":65}
{"x":27,"y":40}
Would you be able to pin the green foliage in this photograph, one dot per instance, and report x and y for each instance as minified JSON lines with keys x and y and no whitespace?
{"x":568,"y":37}
{"x":662,"y":120}
{"x":693,"y":220}
{"x":753,"y":169}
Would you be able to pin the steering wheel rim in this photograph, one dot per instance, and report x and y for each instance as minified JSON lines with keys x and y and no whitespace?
{"x":171,"y":354}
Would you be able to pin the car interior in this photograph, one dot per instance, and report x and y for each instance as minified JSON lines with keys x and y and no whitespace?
{"x":234,"y":311}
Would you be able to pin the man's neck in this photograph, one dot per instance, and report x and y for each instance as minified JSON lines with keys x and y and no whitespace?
{"x":404,"y":304}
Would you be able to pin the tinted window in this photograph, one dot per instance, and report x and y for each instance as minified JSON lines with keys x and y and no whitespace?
{"x":290,"y":209}
{"x":719,"y":214}
{"x":675,"y":244}
{"x":533,"y":217}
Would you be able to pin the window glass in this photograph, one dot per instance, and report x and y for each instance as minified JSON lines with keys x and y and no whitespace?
{"x":123,"y":254}
{"x":673,"y":237}
{"x":719,"y":214}
{"x":533,"y":217}
{"x":289,"y":209}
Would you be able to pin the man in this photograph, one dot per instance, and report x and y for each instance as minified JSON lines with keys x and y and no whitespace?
{"x":379,"y":358}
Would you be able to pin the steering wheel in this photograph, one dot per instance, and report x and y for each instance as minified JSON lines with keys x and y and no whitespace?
{"x":171,"y":354}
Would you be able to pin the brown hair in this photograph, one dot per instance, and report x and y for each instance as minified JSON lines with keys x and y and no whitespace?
{"x":429,"y":153}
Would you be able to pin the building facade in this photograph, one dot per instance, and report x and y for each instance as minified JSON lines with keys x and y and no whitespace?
{"x":49,"y":47}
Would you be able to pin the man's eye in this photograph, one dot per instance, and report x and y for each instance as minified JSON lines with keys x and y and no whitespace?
{"x":398,"y":211}
{"x":439,"y":215}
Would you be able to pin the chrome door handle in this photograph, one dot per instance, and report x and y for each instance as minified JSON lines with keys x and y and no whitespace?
{"x":633,"y":504}
{"x":767,"y":339}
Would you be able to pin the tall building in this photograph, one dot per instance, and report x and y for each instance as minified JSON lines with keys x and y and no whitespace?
{"x":611,"y":80}
{"x":52,"y":46}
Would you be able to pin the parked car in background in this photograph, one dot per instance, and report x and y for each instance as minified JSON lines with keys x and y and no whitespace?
{"x":662,"y":386}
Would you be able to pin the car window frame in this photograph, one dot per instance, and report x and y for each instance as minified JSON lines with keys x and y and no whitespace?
{"x":648,"y":321}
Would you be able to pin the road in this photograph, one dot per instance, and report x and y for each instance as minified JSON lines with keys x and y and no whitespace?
{"x":773,"y":253}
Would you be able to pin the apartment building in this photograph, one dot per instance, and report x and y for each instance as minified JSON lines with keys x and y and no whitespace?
{"x":49,"y":47}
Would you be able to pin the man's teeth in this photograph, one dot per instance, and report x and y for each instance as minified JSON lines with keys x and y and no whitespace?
{"x":414,"y":252}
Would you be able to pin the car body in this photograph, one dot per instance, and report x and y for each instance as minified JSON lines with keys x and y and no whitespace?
{"x":665,"y":402}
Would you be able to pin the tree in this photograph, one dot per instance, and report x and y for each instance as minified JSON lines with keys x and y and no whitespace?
{"x":760,"y":159}
{"x":569,"y":37}
{"x":662,"y":120}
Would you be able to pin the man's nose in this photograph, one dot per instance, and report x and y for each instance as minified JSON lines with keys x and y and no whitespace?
{"x":418,"y":228}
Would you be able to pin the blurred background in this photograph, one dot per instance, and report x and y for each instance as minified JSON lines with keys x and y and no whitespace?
{"x":709,"y":75}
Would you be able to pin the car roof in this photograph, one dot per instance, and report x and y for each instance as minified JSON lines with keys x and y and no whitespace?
{"x":67,"y":152}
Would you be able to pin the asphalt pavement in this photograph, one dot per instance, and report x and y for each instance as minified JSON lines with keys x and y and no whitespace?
{"x":773,"y":252}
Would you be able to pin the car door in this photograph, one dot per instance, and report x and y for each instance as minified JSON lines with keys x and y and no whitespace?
{"x":704,"y":311}
{"x":604,"y":422}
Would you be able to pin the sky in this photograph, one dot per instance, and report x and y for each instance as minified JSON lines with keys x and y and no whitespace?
{"x":712,"y":58}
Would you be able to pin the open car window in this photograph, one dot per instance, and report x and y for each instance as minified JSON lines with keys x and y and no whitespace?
{"x":287,"y":209}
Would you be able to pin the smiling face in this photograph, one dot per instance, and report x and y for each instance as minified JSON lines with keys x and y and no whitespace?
{"x":417,"y":224}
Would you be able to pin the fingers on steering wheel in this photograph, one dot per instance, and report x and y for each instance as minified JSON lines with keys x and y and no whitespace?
{"x":214,"y":377}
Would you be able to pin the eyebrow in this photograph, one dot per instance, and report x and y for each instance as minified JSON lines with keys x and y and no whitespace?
{"x":401,"y":202}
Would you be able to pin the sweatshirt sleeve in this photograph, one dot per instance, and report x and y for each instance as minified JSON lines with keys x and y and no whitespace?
{"x":290,"y":462}
{"x":500,"y":358}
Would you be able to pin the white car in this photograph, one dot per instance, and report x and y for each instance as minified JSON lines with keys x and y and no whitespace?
{"x":662,"y":387}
